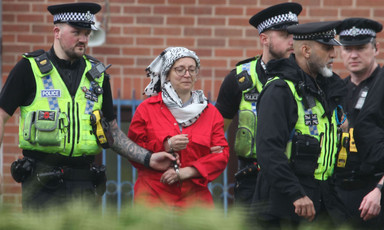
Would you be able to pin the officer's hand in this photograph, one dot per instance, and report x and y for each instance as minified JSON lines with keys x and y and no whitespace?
{"x":370,"y":206}
{"x":304,"y":207}
{"x":162,"y":160}
{"x":217,"y":149}
{"x":179,"y":142}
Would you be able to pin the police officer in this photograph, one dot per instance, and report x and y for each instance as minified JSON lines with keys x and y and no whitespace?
{"x":240,"y":88}
{"x":297,"y":132}
{"x":57,"y":92}
{"x":359,"y":51}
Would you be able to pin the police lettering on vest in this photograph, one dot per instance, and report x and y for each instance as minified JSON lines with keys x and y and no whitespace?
{"x":51,"y":93}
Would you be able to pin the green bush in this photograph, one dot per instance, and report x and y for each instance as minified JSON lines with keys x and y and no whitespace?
{"x":79,"y":216}
{"x":83,"y":217}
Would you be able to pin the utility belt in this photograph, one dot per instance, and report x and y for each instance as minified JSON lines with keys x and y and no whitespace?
{"x":353,"y":181}
{"x":247,"y":167}
{"x":55,"y":159}
{"x":52,"y":176}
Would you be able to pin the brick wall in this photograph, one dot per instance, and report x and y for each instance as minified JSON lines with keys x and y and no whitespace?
{"x":138,"y":30}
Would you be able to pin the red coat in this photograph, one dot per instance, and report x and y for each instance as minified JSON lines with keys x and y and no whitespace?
{"x":151,"y":125}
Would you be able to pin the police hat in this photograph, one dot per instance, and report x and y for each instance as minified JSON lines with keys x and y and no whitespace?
{"x":358,"y":31}
{"x":80,"y":15}
{"x":276,"y":17}
{"x":323,"y":32}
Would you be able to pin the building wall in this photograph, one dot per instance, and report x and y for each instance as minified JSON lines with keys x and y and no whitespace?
{"x":138,"y":30}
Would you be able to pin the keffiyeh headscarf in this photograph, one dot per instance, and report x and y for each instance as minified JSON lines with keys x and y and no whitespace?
{"x":158,"y":70}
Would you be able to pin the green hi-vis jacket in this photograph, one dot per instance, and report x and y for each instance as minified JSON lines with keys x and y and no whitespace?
{"x":325,"y":131}
{"x":56,"y":122}
{"x":245,"y":142}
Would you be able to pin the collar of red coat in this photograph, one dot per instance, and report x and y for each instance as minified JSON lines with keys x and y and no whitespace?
{"x":155,"y":99}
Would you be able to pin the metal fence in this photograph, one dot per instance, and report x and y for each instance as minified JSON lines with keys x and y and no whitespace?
{"x":122,"y":176}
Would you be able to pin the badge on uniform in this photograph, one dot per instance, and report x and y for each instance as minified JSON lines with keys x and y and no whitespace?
{"x":252,"y":95}
{"x":311,"y":119}
{"x":89,"y":95}
{"x":362,"y":96}
{"x":46,"y":115}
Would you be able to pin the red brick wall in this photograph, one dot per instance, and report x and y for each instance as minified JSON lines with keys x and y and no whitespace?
{"x":138,"y":30}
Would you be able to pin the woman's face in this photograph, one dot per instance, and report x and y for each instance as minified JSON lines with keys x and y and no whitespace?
{"x":181,"y":79}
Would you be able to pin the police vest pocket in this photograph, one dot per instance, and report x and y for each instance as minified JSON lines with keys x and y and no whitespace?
{"x":245,"y":138}
{"x":44,"y":128}
{"x":305,"y":153}
{"x":243,"y":142}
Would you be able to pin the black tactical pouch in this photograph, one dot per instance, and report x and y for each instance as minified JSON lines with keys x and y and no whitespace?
{"x":99,"y":179}
{"x":22,"y":168}
{"x":305,"y":153}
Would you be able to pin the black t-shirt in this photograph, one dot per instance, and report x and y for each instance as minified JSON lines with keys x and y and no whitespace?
{"x":20,"y":86}
{"x":229,"y":98}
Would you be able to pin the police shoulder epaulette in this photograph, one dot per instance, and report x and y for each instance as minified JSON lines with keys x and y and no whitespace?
{"x":247,"y":60}
{"x":281,"y":83}
{"x":34,"y":53}
{"x":92,"y":59}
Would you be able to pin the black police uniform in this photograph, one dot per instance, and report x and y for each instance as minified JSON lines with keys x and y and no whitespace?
{"x":81,"y":175}
{"x":276,"y":17}
{"x":352,"y":184}
{"x":278,"y":185}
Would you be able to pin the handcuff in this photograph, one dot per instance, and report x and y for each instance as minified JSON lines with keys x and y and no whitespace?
{"x":175,"y":165}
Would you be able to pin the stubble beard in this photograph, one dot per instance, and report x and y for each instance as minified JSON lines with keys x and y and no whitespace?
{"x":278,"y":54}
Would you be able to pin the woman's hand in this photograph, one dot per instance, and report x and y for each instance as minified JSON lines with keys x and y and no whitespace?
{"x":170,"y":176}
{"x":177,"y":142}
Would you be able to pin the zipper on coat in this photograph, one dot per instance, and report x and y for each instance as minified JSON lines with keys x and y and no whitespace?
{"x":69,"y":117}
{"x":73,"y":136}
{"x":78,"y":123}
{"x":326,"y":152}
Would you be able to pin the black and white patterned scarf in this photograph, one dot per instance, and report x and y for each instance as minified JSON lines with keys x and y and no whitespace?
{"x":158,"y":70}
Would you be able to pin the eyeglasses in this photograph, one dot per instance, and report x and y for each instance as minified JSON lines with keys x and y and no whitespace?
{"x":181,"y":71}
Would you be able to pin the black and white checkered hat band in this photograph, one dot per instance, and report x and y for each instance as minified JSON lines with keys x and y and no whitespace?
{"x":322,"y":35}
{"x":74,"y":17}
{"x":290,"y":17}
{"x":357,"y":31}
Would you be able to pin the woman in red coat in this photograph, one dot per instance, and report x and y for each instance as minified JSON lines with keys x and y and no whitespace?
{"x":175,"y":118}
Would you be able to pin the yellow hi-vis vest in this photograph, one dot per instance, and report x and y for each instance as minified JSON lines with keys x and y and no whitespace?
{"x":312,"y":122}
{"x":245,"y":142}
{"x":66,"y":117}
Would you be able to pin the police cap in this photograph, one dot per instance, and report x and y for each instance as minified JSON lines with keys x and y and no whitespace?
{"x":276,"y":17}
{"x":358,"y":31}
{"x":80,"y":15}
{"x":323,"y":32}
